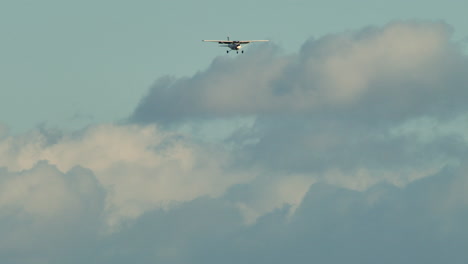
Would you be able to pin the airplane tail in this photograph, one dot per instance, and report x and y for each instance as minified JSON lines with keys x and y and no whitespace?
{"x":228,"y":38}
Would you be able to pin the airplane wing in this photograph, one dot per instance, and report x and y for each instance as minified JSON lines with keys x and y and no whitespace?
{"x":231,"y":41}
{"x":248,"y":41}
{"x":220,"y":41}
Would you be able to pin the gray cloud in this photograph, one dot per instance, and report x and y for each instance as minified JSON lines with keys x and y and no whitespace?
{"x":389,"y":74}
{"x":334,"y":106}
{"x":364,"y":111}
{"x":226,"y":89}
{"x":385,"y":224}
{"x":423,"y":221}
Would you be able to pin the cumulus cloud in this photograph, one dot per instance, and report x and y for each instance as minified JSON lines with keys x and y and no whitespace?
{"x":96,"y":182}
{"x":340,"y":108}
{"x":356,"y":110}
{"x":397,"y":72}
{"x":334,"y":108}
{"x":414,"y":224}
{"x":141,"y":167}
{"x":351,"y":150}
{"x":46,"y":214}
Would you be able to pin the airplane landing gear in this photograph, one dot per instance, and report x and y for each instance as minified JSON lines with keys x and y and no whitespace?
{"x":237,"y":51}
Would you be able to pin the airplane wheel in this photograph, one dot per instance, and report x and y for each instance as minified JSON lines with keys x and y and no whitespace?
{"x":227,"y":51}
{"x":242,"y":51}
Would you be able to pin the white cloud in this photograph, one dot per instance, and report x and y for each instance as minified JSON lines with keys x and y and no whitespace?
{"x":403,"y":69}
{"x":353,"y":62}
{"x":45,"y":213}
{"x":266,"y":194}
{"x":141,"y":167}
{"x":41,"y":192}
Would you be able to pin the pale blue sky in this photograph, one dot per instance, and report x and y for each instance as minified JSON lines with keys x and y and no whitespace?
{"x":70,"y":63}
{"x":333,"y":143}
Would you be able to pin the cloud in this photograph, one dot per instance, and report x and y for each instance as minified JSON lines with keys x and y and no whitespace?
{"x":267,"y":193}
{"x":369,"y":115}
{"x":141,"y":167}
{"x":418,"y":223}
{"x":339,"y":109}
{"x":46,"y":214}
{"x":333,"y":108}
{"x":395,"y":73}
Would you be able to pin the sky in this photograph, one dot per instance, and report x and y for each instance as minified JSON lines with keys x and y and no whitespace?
{"x":125,"y":138}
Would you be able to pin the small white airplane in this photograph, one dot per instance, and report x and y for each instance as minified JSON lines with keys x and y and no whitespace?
{"x":234,"y":44}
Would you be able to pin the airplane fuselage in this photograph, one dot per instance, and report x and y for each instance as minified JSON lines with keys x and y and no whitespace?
{"x":235,"y":46}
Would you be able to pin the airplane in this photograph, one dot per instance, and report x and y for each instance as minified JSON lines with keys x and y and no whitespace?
{"x":234,"y":44}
